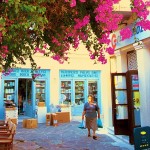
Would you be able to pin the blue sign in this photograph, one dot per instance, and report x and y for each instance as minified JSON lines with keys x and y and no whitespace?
{"x":142,"y":138}
{"x":26,"y":73}
{"x":117,"y":42}
{"x":79,"y":74}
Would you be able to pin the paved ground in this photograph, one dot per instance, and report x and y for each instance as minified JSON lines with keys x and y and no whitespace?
{"x":65,"y":136}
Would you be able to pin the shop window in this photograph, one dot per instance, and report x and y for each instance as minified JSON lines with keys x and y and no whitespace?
{"x":92,"y":89}
{"x":79,"y":92}
{"x":120,"y":97}
{"x":65,"y":92}
{"x":40,"y":91}
{"x":9,"y":93}
{"x":132,"y":60}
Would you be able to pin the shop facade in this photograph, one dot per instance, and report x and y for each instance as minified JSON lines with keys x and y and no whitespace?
{"x":67,"y":85}
{"x":130,"y":77}
{"x":76,"y":85}
{"x":19,"y":90}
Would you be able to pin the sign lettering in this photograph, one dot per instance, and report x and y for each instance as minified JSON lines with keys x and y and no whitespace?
{"x":26,"y":73}
{"x":79,"y":74}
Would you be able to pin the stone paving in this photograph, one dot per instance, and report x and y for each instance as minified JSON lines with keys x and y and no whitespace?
{"x":65,"y":136}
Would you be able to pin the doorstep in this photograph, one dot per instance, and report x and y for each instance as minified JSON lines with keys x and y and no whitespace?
{"x":124,"y":138}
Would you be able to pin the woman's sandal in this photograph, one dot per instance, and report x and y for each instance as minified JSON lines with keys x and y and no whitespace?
{"x":89,"y":135}
{"x":95,"y":137}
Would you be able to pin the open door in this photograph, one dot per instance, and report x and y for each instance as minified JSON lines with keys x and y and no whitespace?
{"x":24,"y":97}
{"x":120,"y":103}
{"x":134,"y":102}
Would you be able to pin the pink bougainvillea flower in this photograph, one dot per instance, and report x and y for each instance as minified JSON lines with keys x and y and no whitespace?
{"x":92,"y":56}
{"x":116,"y":1}
{"x":37,"y":49}
{"x":81,"y":22}
{"x":126,"y":33}
{"x":145,"y":24}
{"x":104,"y":39}
{"x":82,"y":1}
{"x":102,"y":59}
{"x":110,"y":50}
{"x":0,"y":34}
{"x":73,"y":3}
{"x":45,"y":46}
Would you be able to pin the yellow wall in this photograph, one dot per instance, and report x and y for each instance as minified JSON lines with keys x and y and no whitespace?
{"x":79,"y":60}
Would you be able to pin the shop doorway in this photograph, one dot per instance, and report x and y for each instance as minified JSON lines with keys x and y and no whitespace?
{"x":24,"y":95}
{"x":126,"y":103}
{"x":120,"y":104}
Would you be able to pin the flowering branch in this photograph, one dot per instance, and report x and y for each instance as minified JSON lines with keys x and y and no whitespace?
{"x":53,"y":27}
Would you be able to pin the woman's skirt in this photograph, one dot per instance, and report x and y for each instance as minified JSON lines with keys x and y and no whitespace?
{"x":91,"y":123}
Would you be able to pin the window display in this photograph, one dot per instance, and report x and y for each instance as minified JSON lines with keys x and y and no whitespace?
{"x":40,"y":91}
{"x":76,"y":85}
{"x":9,"y":93}
{"x":79,"y":92}
{"x":65,"y":92}
{"x":92,"y":89}
{"x":74,"y":92}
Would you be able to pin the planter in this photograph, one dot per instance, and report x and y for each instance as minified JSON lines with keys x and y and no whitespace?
{"x":41,"y":104}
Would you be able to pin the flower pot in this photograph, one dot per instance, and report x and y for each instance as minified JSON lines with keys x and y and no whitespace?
{"x":41,"y":104}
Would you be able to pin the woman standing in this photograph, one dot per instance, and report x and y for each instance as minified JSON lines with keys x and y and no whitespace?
{"x":90,"y":111}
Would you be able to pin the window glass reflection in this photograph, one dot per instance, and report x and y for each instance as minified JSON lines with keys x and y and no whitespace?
{"x":121,"y":112}
{"x":121,"y":97}
{"x":120,"y":82}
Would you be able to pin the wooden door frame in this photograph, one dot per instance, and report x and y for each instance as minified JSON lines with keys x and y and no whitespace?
{"x":131,"y":105}
{"x":117,"y":131}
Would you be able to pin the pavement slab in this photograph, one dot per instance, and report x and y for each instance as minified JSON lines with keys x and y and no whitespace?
{"x":65,"y":136}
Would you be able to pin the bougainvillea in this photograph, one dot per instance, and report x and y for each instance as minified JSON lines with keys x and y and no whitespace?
{"x":51,"y":27}
{"x":139,"y":9}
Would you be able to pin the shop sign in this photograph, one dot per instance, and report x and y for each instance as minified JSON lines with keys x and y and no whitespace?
{"x":117,"y":42}
{"x":135,"y":82}
{"x":79,"y":74}
{"x":26,"y":73}
{"x":142,"y":138}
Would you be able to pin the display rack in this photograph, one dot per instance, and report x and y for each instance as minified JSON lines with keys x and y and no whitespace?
{"x":40,"y":91}
{"x":65,"y":92}
{"x":79,"y":92}
{"x":92,"y":86}
{"x":9,"y":90}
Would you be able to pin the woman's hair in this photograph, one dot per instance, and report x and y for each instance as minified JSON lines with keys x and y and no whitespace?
{"x":90,"y":95}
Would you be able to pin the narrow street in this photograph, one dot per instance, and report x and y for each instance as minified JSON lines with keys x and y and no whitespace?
{"x":65,"y":136}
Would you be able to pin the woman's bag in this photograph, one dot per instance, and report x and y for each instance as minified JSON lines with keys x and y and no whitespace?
{"x":99,"y":123}
{"x":82,"y":125}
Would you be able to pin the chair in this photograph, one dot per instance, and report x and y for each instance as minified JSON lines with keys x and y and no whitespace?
{"x":8,"y":128}
{"x":4,"y":123}
{"x":6,"y":139}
